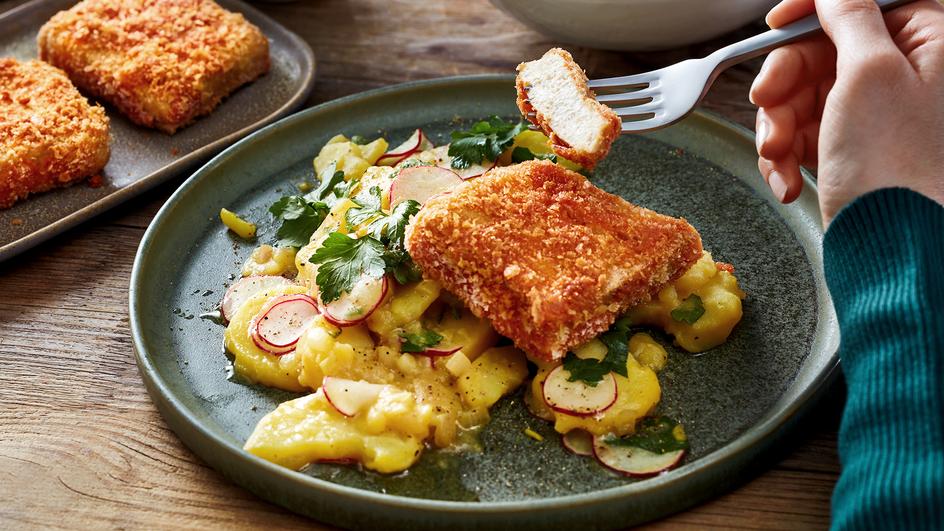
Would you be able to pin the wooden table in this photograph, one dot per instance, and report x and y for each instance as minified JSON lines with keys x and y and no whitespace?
{"x":82,"y":446}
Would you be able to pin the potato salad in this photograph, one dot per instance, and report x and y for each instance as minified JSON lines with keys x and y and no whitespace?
{"x":387,"y":364}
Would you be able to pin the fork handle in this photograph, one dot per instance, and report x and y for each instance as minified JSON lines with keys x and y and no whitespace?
{"x":775,"y":38}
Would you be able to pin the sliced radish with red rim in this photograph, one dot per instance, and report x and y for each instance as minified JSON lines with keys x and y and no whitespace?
{"x":632,"y":460}
{"x":419,"y":183}
{"x":355,"y":306}
{"x":244,"y":288}
{"x":578,"y":441}
{"x":439,"y":352}
{"x":415,"y":144}
{"x":350,"y":397}
{"x":282,"y":321}
{"x":578,"y":398}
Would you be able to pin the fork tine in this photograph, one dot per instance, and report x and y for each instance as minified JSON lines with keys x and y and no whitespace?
{"x":649,"y":107}
{"x":624,"y":82}
{"x":630,"y":98}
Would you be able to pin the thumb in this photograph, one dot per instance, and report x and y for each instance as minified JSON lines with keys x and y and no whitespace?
{"x":857,"y":29}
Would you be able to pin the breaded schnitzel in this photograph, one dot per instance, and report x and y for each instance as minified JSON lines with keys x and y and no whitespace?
{"x":548,"y":258}
{"x":50,"y":135}
{"x":555,"y":88}
{"x":162,"y":63}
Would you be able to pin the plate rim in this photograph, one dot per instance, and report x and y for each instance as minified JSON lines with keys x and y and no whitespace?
{"x":755,"y":440}
{"x":177,"y":167}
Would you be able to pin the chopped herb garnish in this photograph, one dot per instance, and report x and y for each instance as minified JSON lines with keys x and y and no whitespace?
{"x":390,"y":229}
{"x":367,"y":207}
{"x":484,"y":141}
{"x":616,"y":340}
{"x":656,"y":434}
{"x":397,"y":222}
{"x":398,"y":260}
{"x":591,"y":371}
{"x":521,"y":154}
{"x":330,"y":181}
{"x":343,"y":261}
{"x":381,"y":250}
{"x":690,"y":311}
{"x":300,"y":217}
{"x":411,"y":163}
{"x":359,"y":140}
{"x":420,"y":341}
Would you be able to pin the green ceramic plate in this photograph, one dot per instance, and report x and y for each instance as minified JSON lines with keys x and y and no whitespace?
{"x":734,"y":401}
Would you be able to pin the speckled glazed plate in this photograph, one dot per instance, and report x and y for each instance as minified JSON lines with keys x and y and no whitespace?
{"x":142,"y":158}
{"x":735,"y":400}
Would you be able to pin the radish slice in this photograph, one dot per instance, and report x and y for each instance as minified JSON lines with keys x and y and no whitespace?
{"x":282,"y":321}
{"x":578,"y":441}
{"x":350,"y":397}
{"x":419,"y":183}
{"x":244,"y":288}
{"x":439,"y":352}
{"x":416,"y":143}
{"x":356,"y":305}
{"x":633,"y":461}
{"x":443,"y":160}
{"x":578,"y":398}
{"x":276,"y":351}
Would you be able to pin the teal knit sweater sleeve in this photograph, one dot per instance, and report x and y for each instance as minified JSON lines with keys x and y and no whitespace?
{"x":884,"y":262}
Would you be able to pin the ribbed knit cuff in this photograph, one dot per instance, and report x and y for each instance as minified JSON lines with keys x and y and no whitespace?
{"x":878,"y":233}
{"x":884,"y":263}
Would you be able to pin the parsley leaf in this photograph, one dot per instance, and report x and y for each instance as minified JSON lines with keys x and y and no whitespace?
{"x":484,"y":141}
{"x":616,"y":340}
{"x":389,"y":229}
{"x":398,"y":220}
{"x":367,"y":207}
{"x":330,"y":179}
{"x":420,"y":341}
{"x":382,"y":250}
{"x":300,"y":217}
{"x":402,"y":267}
{"x":398,"y":260}
{"x":591,"y":371}
{"x":656,"y":434}
{"x":690,"y":311}
{"x":521,"y":154}
{"x":343,"y":260}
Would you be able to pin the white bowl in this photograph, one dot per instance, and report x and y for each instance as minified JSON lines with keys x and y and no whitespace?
{"x":634,"y":24}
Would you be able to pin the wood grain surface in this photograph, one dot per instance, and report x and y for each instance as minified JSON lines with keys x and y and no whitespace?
{"x":82,"y":446}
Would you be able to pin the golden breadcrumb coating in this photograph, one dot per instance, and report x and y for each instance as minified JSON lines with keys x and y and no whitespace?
{"x":50,"y":135}
{"x":611,"y":130}
{"x":162,"y":63}
{"x":548,"y":258}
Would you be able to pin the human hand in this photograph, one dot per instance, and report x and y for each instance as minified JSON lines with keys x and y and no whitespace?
{"x":864,"y":103}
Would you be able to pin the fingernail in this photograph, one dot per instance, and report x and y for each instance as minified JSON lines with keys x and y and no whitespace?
{"x":777,"y":185}
{"x":762,"y":130}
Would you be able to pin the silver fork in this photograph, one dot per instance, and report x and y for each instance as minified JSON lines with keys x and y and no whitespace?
{"x":660,"y":98}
